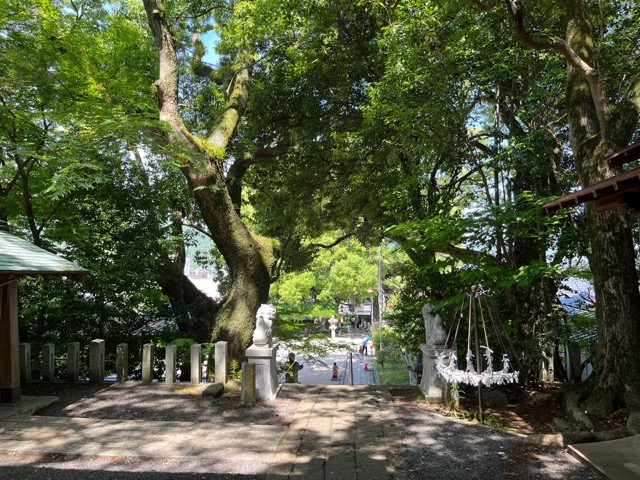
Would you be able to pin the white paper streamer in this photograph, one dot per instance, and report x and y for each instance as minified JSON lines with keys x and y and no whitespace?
{"x":447,"y":366}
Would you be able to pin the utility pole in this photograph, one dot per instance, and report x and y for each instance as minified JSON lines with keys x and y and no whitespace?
{"x":380,"y":294}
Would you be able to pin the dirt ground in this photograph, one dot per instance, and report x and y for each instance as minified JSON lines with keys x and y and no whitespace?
{"x":526,"y":413}
{"x":181,"y":402}
{"x":184,"y":403}
{"x":529,"y":411}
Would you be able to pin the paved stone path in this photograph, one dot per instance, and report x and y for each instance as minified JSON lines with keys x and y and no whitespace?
{"x":339,"y":433}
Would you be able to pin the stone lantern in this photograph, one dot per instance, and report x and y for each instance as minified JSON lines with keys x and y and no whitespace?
{"x":333,"y":325}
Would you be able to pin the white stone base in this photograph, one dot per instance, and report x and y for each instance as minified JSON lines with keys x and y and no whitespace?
{"x":264,"y":359}
{"x":432,"y":385}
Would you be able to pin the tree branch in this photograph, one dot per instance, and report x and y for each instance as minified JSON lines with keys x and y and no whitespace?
{"x":336,"y":242}
{"x":198,"y":67}
{"x":466,"y":254}
{"x":197,"y":228}
{"x":167,"y":83}
{"x":589,"y":73}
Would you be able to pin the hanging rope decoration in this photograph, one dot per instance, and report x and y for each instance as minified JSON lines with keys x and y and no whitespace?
{"x":447,"y":362}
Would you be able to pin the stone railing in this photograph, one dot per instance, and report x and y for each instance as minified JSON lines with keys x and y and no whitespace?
{"x":97,"y":362}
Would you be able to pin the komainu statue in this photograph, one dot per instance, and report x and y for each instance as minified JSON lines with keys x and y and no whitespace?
{"x":264,"y":323}
{"x":436,"y":334}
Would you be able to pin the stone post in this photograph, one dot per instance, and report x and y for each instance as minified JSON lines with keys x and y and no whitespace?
{"x":170,"y":364}
{"x":48,"y":362}
{"x":196,"y":363}
{"x":147,"y":363}
{"x":122,"y":362}
{"x":266,"y":374}
{"x":96,"y":361}
{"x":547,"y":372}
{"x":73,"y":361}
{"x":432,"y":385}
{"x":575,"y":362}
{"x":222,"y":362}
{"x":249,"y":384}
{"x":25,"y":362}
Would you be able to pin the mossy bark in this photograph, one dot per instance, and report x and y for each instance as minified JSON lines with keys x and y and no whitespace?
{"x":594,"y":135}
{"x":599,"y":125}
{"x":249,"y":258}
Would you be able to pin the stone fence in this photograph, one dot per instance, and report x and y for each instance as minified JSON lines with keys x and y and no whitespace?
{"x":97,"y":362}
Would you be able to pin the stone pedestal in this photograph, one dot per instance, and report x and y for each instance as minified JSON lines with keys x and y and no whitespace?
{"x":264,"y":358}
{"x":432,"y":385}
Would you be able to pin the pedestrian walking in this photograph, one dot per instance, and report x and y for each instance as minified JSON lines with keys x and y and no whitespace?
{"x":365,"y":344}
{"x":334,"y":372}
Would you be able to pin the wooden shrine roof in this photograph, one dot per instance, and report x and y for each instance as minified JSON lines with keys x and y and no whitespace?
{"x":20,"y":258}
{"x":623,"y":190}
{"x":607,"y":194}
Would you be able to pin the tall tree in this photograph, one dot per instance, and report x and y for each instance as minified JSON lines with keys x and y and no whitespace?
{"x":281,"y":64}
{"x":205,"y":163}
{"x":603,"y":108}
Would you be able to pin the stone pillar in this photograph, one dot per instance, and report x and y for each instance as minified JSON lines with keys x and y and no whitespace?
{"x":432,"y":385}
{"x":196,"y":363}
{"x":547,"y":372}
{"x":25,"y":362}
{"x":222,"y":362}
{"x":73,"y":361}
{"x":170,"y":364}
{"x":48,"y":362}
{"x":9,"y":342}
{"x":147,"y":363}
{"x":122,"y":362}
{"x":96,"y":361}
{"x":575,"y":362}
{"x":264,"y":359}
{"x":248,"y":384}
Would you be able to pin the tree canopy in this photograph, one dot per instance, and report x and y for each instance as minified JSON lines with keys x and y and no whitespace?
{"x":280,"y":128}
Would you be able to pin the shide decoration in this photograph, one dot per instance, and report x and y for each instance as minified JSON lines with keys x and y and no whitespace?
{"x":474,"y":374}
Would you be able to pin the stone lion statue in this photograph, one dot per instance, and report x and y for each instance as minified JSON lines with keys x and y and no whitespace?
{"x":435,"y":332}
{"x":264,"y":323}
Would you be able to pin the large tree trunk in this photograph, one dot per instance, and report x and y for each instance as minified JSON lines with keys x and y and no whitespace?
{"x":594,"y":135}
{"x":248,"y":257}
{"x":597,"y":130}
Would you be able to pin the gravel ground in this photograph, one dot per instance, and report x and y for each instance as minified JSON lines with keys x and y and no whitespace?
{"x":434,"y":447}
{"x":132,"y":401}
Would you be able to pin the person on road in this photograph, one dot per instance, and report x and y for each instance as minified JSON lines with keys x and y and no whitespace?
{"x":334,"y":374}
{"x":365,"y":344}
